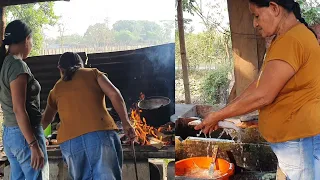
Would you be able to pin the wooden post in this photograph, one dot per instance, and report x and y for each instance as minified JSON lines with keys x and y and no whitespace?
{"x":184,"y":60}
{"x":2,"y":23}
{"x":248,"y":47}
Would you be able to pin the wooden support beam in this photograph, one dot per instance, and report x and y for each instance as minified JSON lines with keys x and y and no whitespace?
{"x":184,"y":60}
{"x":248,"y":47}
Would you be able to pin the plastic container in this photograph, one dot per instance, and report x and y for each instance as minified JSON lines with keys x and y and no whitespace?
{"x":47,"y":131}
{"x":225,"y":167}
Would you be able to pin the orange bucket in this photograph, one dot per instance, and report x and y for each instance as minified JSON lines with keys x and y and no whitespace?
{"x":226,"y":168}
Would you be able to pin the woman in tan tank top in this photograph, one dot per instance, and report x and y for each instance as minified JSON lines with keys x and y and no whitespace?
{"x":88,"y":141}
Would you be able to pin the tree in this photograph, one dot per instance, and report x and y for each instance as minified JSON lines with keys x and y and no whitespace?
{"x":37,"y":16}
{"x":146,"y":31}
{"x":167,"y":29}
{"x":310,"y":11}
{"x":62,"y":30}
{"x":125,"y":37}
{"x":74,"y":40}
{"x":98,"y":34}
{"x":184,"y":60}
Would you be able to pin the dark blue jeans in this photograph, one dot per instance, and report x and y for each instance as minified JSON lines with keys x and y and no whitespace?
{"x":95,"y":155}
{"x":19,"y":154}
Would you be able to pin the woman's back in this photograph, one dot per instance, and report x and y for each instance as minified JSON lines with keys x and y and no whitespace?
{"x":81,"y":105}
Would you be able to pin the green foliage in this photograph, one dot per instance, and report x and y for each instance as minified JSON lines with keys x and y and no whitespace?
{"x":310,"y":11}
{"x":215,"y":84}
{"x":140,"y":31}
{"x":126,"y":37}
{"x":37,"y":16}
{"x":127,"y":32}
{"x":98,"y":35}
{"x":206,"y":49}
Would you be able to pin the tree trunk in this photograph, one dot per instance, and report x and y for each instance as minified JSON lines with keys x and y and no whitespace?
{"x":2,"y":24}
{"x":184,"y":60}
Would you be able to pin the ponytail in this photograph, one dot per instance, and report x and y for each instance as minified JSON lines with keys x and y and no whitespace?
{"x":297,"y":12}
{"x":68,"y":73}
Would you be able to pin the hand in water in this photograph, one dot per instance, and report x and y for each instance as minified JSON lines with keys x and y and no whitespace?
{"x":209,"y":124}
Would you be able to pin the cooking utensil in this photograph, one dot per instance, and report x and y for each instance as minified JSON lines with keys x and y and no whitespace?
{"x":214,"y":157}
{"x":134,"y":159}
{"x":155,"y":110}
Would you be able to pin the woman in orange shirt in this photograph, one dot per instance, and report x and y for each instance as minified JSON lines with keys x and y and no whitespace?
{"x":287,"y":92}
{"x":88,"y":141}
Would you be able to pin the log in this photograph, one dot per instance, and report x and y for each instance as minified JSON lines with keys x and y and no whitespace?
{"x":154,"y":142}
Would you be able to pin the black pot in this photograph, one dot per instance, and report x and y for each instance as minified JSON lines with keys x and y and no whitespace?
{"x":155,"y":110}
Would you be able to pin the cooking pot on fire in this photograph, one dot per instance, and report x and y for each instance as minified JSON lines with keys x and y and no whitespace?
{"x":155,"y":110}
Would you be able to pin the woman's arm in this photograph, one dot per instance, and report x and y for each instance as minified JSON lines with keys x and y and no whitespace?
{"x":275,"y":75}
{"x":118,"y":103}
{"x":48,"y":116}
{"x":246,"y":92}
{"x":18,"y":92}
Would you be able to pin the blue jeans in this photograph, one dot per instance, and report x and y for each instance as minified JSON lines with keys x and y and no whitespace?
{"x":95,"y":155}
{"x":19,"y":154}
{"x":299,"y":159}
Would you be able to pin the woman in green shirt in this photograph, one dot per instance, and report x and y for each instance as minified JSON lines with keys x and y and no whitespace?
{"x":23,"y":137}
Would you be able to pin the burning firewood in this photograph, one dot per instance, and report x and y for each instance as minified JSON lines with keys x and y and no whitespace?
{"x":168,"y":128}
{"x":156,"y":142}
{"x":145,"y":133}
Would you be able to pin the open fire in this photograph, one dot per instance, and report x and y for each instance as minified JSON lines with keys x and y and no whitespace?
{"x":148,"y":135}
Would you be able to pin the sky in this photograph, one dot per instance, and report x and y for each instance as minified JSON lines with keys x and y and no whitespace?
{"x":78,"y":15}
{"x":207,"y":9}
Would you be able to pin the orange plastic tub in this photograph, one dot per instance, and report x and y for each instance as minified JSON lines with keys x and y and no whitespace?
{"x":226,"y":168}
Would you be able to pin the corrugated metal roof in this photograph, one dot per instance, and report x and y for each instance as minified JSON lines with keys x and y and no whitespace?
{"x":16,"y":2}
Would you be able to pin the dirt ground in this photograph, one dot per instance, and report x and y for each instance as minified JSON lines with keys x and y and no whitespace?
{"x":195,"y":80}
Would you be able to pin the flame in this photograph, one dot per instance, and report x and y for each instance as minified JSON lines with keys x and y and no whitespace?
{"x":142,"y":129}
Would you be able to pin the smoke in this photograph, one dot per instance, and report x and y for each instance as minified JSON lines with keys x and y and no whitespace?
{"x":162,"y":58}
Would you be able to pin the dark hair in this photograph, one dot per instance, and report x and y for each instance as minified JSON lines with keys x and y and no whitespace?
{"x":70,"y":62}
{"x":289,"y":5}
{"x":15,"y":33}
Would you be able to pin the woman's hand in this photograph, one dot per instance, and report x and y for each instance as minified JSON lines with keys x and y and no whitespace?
{"x":47,"y":142}
{"x":37,"y":157}
{"x":209,"y":124}
{"x":129,"y":131}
